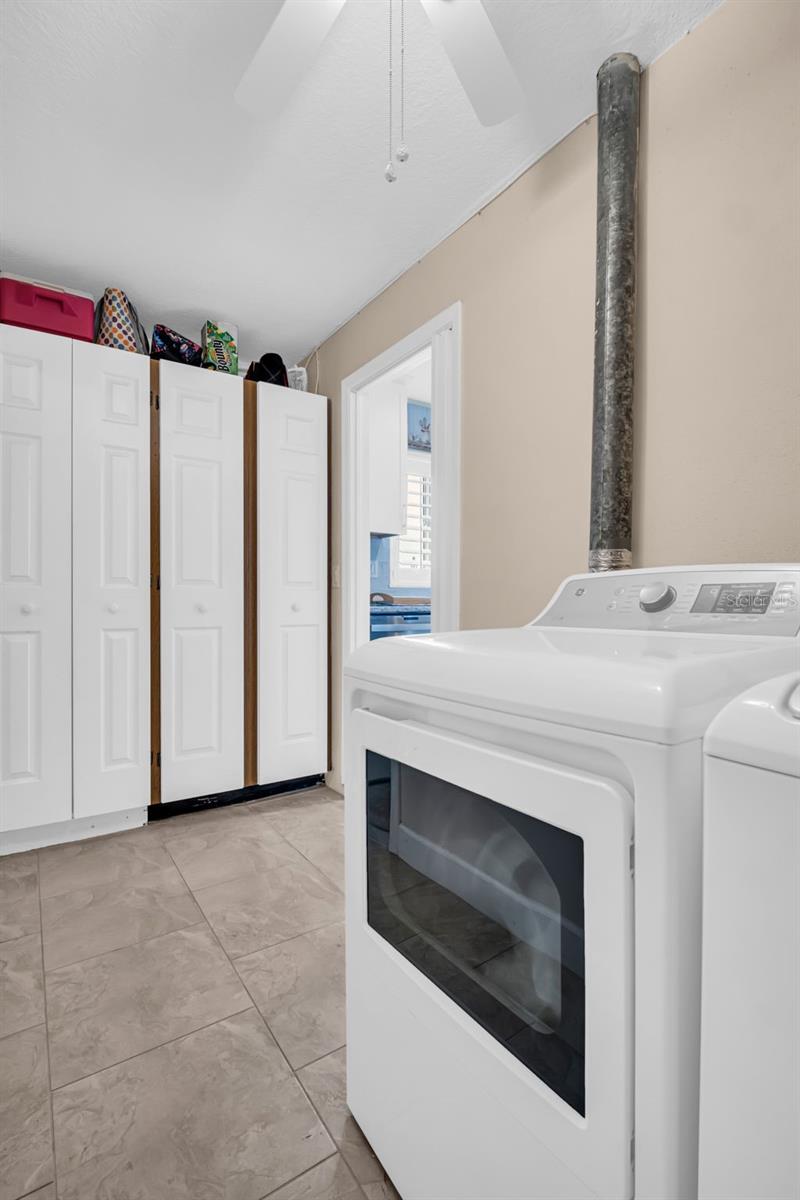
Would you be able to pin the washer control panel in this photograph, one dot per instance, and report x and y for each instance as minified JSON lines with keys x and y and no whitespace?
{"x":759,"y":601}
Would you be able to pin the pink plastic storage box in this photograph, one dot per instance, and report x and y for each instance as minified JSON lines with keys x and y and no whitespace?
{"x":46,"y":307}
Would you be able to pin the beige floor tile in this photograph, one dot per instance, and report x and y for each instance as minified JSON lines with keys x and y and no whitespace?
{"x":94,"y":920}
{"x":303,"y":797}
{"x":258,"y":910}
{"x":106,"y":1009}
{"x":331,"y":1180}
{"x":19,"y":895}
{"x":45,"y":1193}
{"x":314,"y":824}
{"x":299,"y":987}
{"x":216,"y":1115}
{"x":225,"y":851}
{"x":324,"y":848}
{"x":302,"y":811}
{"x":191,"y":822}
{"x":21,"y":991}
{"x":26,"y":1153}
{"x":118,"y":859}
{"x":384,"y":1190}
{"x":325,"y":1082}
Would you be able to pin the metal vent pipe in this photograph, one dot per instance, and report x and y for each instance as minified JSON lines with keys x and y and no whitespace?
{"x":615,"y":312}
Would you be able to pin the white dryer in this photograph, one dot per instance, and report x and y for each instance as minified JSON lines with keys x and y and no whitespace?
{"x":523,"y":883}
{"x":750,"y":1030}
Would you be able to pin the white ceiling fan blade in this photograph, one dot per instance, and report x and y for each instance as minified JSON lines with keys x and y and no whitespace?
{"x":290,"y":47}
{"x":479,"y":60}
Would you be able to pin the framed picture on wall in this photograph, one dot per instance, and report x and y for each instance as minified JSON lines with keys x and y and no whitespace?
{"x":419,"y":426}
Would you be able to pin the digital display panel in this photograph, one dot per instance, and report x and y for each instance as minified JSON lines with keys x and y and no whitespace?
{"x":736,"y":598}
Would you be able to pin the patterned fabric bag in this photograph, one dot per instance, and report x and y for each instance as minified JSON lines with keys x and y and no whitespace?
{"x":174,"y":347}
{"x":117,"y":324}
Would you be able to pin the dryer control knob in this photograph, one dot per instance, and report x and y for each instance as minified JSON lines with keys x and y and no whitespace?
{"x":656,"y":596}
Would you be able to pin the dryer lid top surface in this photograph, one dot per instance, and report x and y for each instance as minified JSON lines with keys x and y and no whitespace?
{"x":648,"y":686}
{"x":651,"y":653}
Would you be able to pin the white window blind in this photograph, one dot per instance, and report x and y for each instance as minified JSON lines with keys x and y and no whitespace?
{"x":411,"y":551}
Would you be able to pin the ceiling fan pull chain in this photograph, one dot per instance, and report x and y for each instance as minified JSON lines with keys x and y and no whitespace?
{"x":390,"y":174}
{"x":401,"y":154}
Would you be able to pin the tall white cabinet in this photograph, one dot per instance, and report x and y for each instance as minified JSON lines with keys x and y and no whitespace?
{"x":35,"y":579}
{"x":202,"y":582}
{"x":84,"y":745}
{"x":292,"y":584}
{"x":111,"y":579}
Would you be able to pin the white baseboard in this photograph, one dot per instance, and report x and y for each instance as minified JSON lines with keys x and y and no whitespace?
{"x":16,"y":840}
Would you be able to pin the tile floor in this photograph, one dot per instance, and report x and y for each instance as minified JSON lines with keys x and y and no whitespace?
{"x":172,"y":1013}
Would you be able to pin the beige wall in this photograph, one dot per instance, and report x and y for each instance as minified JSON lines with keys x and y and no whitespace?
{"x":718,"y":376}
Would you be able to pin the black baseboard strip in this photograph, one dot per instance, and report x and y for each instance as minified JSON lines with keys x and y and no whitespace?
{"x":160,"y":812}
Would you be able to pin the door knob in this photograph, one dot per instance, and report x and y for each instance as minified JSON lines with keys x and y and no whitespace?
{"x":113,"y":608}
{"x":295,"y":607}
{"x":201,"y":608}
{"x":27,"y":609}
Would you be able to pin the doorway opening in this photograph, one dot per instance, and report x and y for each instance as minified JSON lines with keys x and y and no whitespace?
{"x":400,"y":499}
{"x":401,"y":459}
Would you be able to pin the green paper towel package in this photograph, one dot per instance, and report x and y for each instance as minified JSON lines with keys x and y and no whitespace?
{"x":220,"y":351}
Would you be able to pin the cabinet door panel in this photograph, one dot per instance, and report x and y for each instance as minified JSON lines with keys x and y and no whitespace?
{"x":388,"y":443}
{"x":35,"y":568}
{"x":292,"y":584}
{"x":111,"y":578}
{"x":202,"y":585}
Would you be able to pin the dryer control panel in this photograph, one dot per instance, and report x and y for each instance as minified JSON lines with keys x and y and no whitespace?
{"x":759,"y":601}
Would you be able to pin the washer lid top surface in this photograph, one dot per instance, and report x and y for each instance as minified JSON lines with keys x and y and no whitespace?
{"x":761,"y":728}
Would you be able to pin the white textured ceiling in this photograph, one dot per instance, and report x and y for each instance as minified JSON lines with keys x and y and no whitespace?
{"x":125,"y":160}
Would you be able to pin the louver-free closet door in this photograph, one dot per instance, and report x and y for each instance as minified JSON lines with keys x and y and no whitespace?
{"x":111,"y":579}
{"x":202,"y":600}
{"x":35,"y":605}
{"x":292,"y":584}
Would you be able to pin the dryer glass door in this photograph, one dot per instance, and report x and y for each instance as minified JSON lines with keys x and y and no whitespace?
{"x":488,"y":903}
{"x":490,"y":938}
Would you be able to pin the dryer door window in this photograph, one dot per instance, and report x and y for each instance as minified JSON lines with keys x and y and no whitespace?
{"x":488,"y":903}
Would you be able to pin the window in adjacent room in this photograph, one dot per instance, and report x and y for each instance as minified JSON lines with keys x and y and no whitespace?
{"x":410,"y":564}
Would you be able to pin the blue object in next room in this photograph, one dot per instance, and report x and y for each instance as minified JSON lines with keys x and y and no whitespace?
{"x":393,"y":620}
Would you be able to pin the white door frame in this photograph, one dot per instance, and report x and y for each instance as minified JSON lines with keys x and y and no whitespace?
{"x":443,"y":335}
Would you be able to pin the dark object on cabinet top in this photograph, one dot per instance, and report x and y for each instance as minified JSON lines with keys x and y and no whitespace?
{"x":270,"y":368}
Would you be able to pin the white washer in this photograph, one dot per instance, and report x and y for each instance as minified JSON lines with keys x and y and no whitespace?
{"x":750,"y":1032}
{"x":523,"y":1005}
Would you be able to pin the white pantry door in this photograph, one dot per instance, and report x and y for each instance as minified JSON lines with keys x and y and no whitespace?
{"x":35,"y":570}
{"x":292,"y":584}
{"x":202,"y":582}
{"x":111,"y":579}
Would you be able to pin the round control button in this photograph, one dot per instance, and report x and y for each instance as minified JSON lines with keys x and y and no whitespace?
{"x":654,"y":597}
